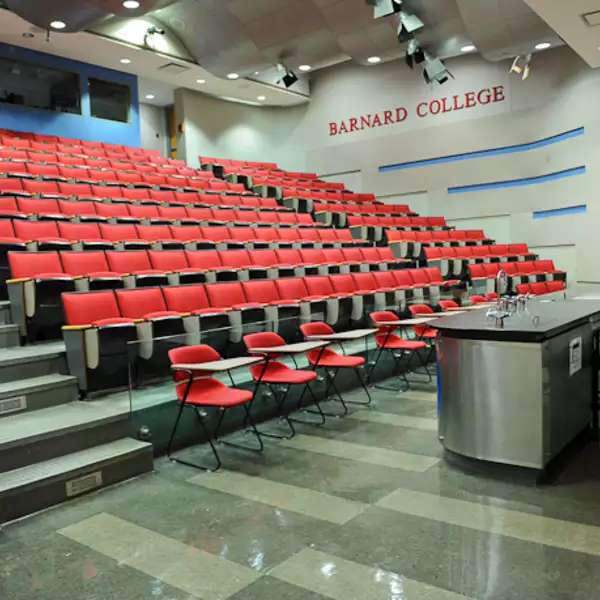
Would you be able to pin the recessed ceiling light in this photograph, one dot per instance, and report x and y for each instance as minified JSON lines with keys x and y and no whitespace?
{"x":150,"y":96}
{"x":28,"y":35}
{"x":125,"y":61}
{"x":257,"y":72}
{"x":468,"y":48}
{"x":304,"y":68}
{"x":201,"y":81}
{"x":261,"y":98}
{"x":373,"y":60}
{"x":233,"y":76}
{"x":131,"y":4}
{"x":542,"y":46}
{"x":58,"y":24}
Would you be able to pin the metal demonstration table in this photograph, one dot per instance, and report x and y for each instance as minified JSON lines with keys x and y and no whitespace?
{"x":520,"y":394}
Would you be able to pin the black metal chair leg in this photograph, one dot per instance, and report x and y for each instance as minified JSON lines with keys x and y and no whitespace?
{"x":318,"y":412}
{"x":281,"y":415}
{"x":208,"y":438}
{"x":400,"y":375}
{"x":365,"y":388}
{"x":338,"y":394}
{"x":249,"y":419}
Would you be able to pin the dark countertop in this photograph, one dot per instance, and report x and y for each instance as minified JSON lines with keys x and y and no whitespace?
{"x":555,"y":318}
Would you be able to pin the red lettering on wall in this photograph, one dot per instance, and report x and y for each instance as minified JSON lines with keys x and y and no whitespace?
{"x":498,"y":93}
{"x":422,"y":109}
{"x":365,"y":121}
{"x":457,"y":104}
{"x":333,"y":129}
{"x":353,"y":124}
{"x":343,"y":128}
{"x":484,"y":96}
{"x":435,"y":107}
{"x":470,"y":100}
{"x":401,"y":114}
{"x":388,"y":117}
{"x":445,"y":107}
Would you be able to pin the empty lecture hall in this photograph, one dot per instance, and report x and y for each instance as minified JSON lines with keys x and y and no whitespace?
{"x":299,"y":300}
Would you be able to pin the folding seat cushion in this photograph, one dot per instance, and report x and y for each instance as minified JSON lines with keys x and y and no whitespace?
{"x":41,"y":235}
{"x":97,"y":340}
{"x":270,"y":238}
{"x":93,"y":268}
{"x":290,"y":258}
{"x":245,"y":316}
{"x":145,"y":212}
{"x":339,"y":305}
{"x":158,"y":329}
{"x":188,"y":198}
{"x":122,"y":236}
{"x":163,"y":196}
{"x":354,"y":258}
{"x":136,"y":266}
{"x":188,"y":234}
{"x":98,"y":163}
{"x":87,"y":235}
{"x":159,"y":236}
{"x":128,"y":178}
{"x":133,"y":194}
{"x":44,"y":208}
{"x":105,"y":191}
{"x":555,"y":286}
{"x":200,"y":214}
{"x":282,"y":316}
{"x":244,"y":236}
{"x":309,"y":237}
{"x":373,"y":297}
{"x":265,"y":265}
{"x":287,"y":235}
{"x":12,"y":187}
{"x":539,"y":288}
{"x":156,"y":180}
{"x":345,"y":284}
{"x":176,"y":265}
{"x":46,"y":189}
{"x":209,"y":262}
{"x":9,"y":208}
{"x":518,"y":249}
{"x":222,"y":215}
{"x":103,"y":177}
{"x":421,"y":283}
{"x":328,"y":238}
{"x":37,"y":280}
{"x":344,"y":236}
{"x":270,"y":217}
{"x":235,"y":262}
{"x":314,"y":261}
{"x":10,"y":168}
{"x":83,"y":211}
{"x":117,"y":213}
{"x":172,"y":214}
{"x":46,"y":172}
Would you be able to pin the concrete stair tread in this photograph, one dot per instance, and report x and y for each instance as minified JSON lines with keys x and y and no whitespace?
{"x":31,"y":353}
{"x":57,"y":420}
{"x":15,"y":388}
{"x":69,"y":463}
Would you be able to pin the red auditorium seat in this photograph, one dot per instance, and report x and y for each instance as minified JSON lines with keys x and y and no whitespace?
{"x":196,"y":389}
{"x":93,"y":268}
{"x":329,"y":361}
{"x":85,"y":235}
{"x":41,"y":235}
{"x":175,"y":264}
{"x":37,"y":281}
{"x":387,"y":340}
{"x":97,"y":339}
{"x":136,"y":266}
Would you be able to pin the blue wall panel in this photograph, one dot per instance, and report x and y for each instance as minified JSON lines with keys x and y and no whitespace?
{"x":514,"y":149}
{"x":84,"y":126}
{"x":560,"y":212}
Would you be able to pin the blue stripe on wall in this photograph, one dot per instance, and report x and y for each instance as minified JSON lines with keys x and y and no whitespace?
{"x":83,"y":126}
{"x":493,"y":185}
{"x":555,"y":139}
{"x":560,"y":212}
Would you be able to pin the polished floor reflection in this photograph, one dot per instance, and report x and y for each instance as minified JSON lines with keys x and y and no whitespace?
{"x":364,"y":508}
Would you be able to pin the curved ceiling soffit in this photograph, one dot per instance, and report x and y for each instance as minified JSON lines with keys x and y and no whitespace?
{"x":77,"y":14}
{"x":502,"y":30}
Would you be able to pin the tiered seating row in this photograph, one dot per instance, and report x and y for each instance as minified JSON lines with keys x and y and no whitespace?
{"x":100,"y":324}
{"x":92,"y":210}
{"x":118,"y":195}
{"x":416,"y":223}
{"x":453,"y":260}
{"x":134,"y":268}
{"x":49,"y":234}
{"x":16,"y":184}
{"x":532,"y":271}
{"x":541,"y":288}
{"x":411,"y":244}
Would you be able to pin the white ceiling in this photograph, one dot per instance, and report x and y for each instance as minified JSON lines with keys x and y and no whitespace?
{"x":566,"y":18}
{"x":91,"y":48}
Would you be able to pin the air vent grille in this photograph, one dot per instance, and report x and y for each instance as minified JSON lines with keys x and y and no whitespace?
{"x":592,"y":19}
{"x":173,"y":68}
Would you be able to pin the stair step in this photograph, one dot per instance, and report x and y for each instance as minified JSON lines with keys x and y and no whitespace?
{"x":33,"y":360}
{"x":51,"y":432}
{"x":9,"y":336}
{"x":29,"y":489}
{"x":5,"y":316}
{"x":37,"y":393}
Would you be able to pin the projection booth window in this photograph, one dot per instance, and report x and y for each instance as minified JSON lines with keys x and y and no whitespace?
{"x":109,"y":100}
{"x":28,"y":84}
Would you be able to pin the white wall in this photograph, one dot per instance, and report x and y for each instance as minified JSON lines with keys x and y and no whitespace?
{"x":153,"y":128}
{"x":560,"y":95}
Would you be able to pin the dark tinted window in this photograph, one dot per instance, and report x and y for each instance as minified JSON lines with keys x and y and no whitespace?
{"x":109,"y":100}
{"x":28,"y":84}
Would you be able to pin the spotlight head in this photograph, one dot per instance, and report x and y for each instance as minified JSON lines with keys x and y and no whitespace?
{"x":385,"y":8}
{"x":435,"y":71}
{"x":521,"y":66}
{"x":407,"y":25}
{"x":155,"y":30}
{"x":415,"y":55}
{"x":289,"y":79}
